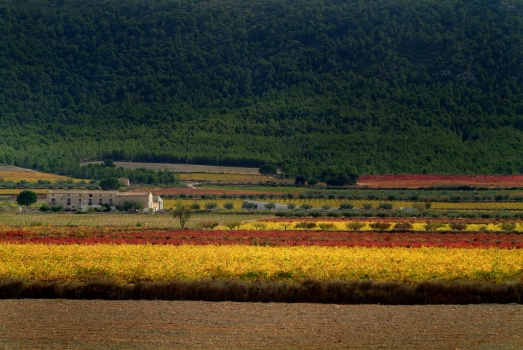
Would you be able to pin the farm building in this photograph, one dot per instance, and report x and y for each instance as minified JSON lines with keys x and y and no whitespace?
{"x":81,"y":200}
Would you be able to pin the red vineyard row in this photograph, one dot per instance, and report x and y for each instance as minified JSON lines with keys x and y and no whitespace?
{"x":416,"y":181}
{"x":280,"y":238}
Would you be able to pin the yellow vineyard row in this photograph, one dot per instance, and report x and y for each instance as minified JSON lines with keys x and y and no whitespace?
{"x":133,"y":263}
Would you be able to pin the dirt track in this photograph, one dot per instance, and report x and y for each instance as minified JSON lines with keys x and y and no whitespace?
{"x":71,"y":324}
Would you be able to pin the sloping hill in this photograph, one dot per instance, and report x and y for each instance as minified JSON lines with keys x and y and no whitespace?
{"x":316,"y":86}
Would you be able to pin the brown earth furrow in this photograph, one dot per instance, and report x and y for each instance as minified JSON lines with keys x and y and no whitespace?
{"x":99,"y":324}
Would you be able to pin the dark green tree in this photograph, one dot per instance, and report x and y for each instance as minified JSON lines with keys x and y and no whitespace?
{"x":26,"y":198}
{"x":268,"y":169}
{"x":110,"y":183}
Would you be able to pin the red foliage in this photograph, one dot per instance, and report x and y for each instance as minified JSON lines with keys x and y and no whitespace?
{"x":416,"y":181}
{"x":281,"y":238}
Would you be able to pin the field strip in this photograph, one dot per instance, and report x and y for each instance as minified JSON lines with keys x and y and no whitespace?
{"x":184,"y":168}
{"x":99,"y":324}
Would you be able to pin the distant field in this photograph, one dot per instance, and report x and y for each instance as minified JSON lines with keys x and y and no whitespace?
{"x":232,"y":178}
{"x":417,"y":181}
{"x":185,"y":168}
{"x":29,"y":176}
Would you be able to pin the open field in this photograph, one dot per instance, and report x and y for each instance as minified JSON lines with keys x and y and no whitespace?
{"x":99,"y":324}
{"x":115,"y":219}
{"x":32,"y":176}
{"x":420,"y":181}
{"x":231,"y":178}
{"x":185,"y":168}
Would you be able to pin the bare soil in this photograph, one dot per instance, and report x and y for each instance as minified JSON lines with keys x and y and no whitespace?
{"x":185,"y":168}
{"x":97,"y":324}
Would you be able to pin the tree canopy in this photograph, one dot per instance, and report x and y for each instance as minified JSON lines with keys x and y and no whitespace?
{"x":318,"y":86}
{"x":26,"y":198}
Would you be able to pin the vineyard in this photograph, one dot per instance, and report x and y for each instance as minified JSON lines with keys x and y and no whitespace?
{"x":407,"y":237}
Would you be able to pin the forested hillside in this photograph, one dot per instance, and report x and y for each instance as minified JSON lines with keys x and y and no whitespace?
{"x":374,"y":86}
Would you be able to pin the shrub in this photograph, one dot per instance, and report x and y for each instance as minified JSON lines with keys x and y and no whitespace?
{"x":259,"y":225}
{"x":317,"y":214}
{"x":458,"y":226}
{"x":44,"y":208}
{"x":209,"y":225}
{"x":326,"y":207}
{"x":433,"y":226}
{"x":56,"y":208}
{"x":211,"y":206}
{"x":270,"y":206}
{"x":508,"y":226}
{"x":380,"y":225}
{"x":403,"y":226}
{"x":248,"y":205}
{"x":291,"y":206}
{"x":345,"y":206}
{"x":367,"y":206}
{"x":305,"y":225}
{"x":306,"y":206}
{"x":386,"y":206}
{"x":228,"y":205}
{"x":327,"y":226}
{"x":354,"y":225}
{"x":195,"y":206}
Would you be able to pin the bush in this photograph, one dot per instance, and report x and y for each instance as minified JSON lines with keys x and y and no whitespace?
{"x":317,"y":214}
{"x":211,"y":206}
{"x":291,"y":206}
{"x":233,"y":225}
{"x":354,"y":225}
{"x":367,"y":206}
{"x":326,"y":226}
{"x":270,"y":206}
{"x":403,"y":226}
{"x":44,"y":208}
{"x":228,"y":205}
{"x":380,"y":225}
{"x":56,"y":208}
{"x":305,"y":225}
{"x":458,"y":226}
{"x":346,"y":206}
{"x":306,"y":206}
{"x":433,"y":226}
{"x":248,"y":205}
{"x":386,"y":206}
{"x":508,"y":226}
{"x":195,"y":206}
{"x":209,"y":225}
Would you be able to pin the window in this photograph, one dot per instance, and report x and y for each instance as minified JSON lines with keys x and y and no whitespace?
{"x":110,"y":201}
{"x":53,"y":201}
{"x":90,"y":195}
{"x":68,"y":201}
{"x":99,"y":201}
{"x":90,"y":201}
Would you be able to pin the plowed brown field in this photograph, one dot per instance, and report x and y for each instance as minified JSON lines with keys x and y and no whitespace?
{"x":97,"y":324}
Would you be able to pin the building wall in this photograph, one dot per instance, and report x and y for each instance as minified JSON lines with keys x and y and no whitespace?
{"x":84,"y":199}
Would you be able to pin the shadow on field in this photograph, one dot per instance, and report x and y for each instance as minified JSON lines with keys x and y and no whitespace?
{"x":337,"y":292}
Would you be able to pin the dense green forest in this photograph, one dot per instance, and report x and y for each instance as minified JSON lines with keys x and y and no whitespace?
{"x":374,"y":86}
